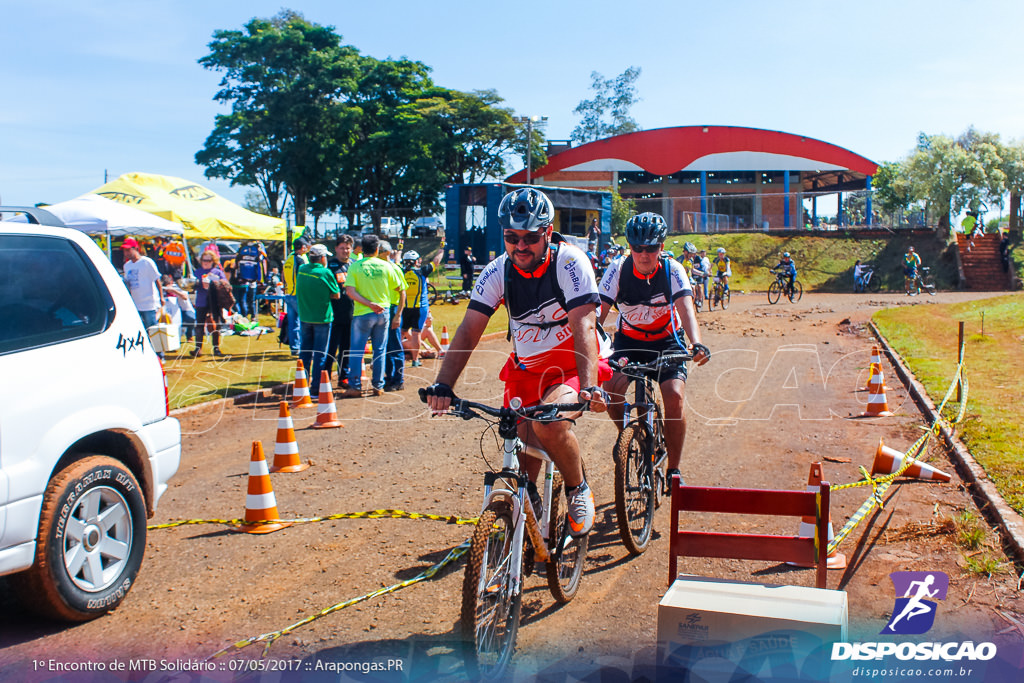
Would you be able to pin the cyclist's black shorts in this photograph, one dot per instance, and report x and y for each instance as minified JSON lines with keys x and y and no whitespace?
{"x":910,"y":272}
{"x":646,"y":351}
{"x":414,"y":318}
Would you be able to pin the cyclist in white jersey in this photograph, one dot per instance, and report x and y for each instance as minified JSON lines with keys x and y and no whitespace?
{"x":550,"y":292}
{"x":655,"y":303}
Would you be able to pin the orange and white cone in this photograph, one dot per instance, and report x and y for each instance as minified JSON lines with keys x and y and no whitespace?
{"x":889,"y":460}
{"x":260,"y":503}
{"x":300,"y":391}
{"x":326,"y":413}
{"x":836,"y":559}
{"x":876,"y":365}
{"x":878,"y":406}
{"x":444,"y":340}
{"x":286,"y":448}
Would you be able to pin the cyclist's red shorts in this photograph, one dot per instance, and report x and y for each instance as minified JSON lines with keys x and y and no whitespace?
{"x":530,"y":387}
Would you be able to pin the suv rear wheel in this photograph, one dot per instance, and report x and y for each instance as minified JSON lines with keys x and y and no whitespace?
{"x":92,"y":535}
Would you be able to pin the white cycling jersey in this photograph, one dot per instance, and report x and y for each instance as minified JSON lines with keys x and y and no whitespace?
{"x":644,"y":310}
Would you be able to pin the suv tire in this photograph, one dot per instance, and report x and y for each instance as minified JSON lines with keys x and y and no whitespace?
{"x":93,"y":517}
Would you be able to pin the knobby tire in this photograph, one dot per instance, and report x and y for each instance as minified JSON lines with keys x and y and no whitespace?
{"x":634,"y":488}
{"x":566,"y":569}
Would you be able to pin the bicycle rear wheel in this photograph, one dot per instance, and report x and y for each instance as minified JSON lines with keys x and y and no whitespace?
{"x":490,"y":603}
{"x":569,"y":552}
{"x":433,"y":295}
{"x":634,"y":488}
{"x":797,"y":293}
{"x":774,"y":292}
{"x":875,"y":283}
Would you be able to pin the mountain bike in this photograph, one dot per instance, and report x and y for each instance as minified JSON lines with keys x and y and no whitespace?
{"x":869,"y":281}
{"x":640,"y":454}
{"x":511,"y":537}
{"x":698,"y":292}
{"x":719,"y":295}
{"x":445,"y":296}
{"x":922,"y":280}
{"x":781,"y":286}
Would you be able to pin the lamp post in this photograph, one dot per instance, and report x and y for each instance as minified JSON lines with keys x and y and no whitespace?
{"x":529,"y":121}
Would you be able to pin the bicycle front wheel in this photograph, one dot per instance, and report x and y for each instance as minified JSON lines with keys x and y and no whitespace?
{"x":875,"y":283}
{"x":569,"y":553}
{"x":491,"y":604}
{"x":726,"y":295}
{"x":433,"y":295}
{"x":774,"y":292}
{"x":797,"y":292}
{"x":634,"y":488}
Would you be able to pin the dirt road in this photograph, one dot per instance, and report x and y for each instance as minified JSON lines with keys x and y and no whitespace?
{"x":780,"y":392}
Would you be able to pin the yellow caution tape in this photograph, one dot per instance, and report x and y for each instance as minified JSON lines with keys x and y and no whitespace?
{"x":879,"y":485}
{"x":268,"y":638}
{"x":368,"y":514}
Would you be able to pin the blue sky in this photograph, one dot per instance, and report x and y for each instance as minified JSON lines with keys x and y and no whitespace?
{"x":114,"y":86}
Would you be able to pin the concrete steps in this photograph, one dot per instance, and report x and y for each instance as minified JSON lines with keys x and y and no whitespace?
{"x":983,"y":270}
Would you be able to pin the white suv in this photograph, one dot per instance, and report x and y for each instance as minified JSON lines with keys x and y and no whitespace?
{"x":86,"y":443}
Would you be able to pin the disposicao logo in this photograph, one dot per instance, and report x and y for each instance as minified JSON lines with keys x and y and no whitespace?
{"x":914,"y":612}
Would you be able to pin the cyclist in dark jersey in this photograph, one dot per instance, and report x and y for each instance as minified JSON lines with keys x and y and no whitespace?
{"x":655,"y":303}
{"x":414,"y":316}
{"x":550,"y":292}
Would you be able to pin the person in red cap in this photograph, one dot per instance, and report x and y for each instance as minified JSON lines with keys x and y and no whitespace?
{"x":143,"y":280}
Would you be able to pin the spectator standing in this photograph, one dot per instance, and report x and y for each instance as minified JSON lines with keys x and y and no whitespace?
{"x":1004,"y":251}
{"x":251,"y":270}
{"x":315,"y":288}
{"x":208,"y":312}
{"x":467,"y":265}
{"x":417,"y":298}
{"x":369,"y":284}
{"x":292,"y":263}
{"x":394,"y":359}
{"x":143,"y":280}
{"x":858,"y":277}
{"x":593,"y":236}
{"x":341,"y":326}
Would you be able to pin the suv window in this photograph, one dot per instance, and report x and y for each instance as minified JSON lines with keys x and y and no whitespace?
{"x":49,"y":293}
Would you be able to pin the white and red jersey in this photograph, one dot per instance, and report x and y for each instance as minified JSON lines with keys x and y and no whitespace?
{"x":646,"y":303}
{"x":538,"y":304}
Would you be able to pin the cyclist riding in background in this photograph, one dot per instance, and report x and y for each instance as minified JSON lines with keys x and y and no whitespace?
{"x":911,"y":262}
{"x":722,"y":268}
{"x":698,"y":271}
{"x":787,"y":267}
{"x":550,"y":293}
{"x":655,"y":305}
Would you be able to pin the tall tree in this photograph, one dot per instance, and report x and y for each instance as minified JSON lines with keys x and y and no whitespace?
{"x":946,"y":174}
{"x":607,"y":113}
{"x":1013,"y":168}
{"x":284,"y":78}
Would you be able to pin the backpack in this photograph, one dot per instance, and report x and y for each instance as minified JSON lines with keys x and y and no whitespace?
{"x":666,"y":283}
{"x":248,"y":261}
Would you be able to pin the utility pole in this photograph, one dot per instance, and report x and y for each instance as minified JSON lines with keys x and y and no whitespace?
{"x":529,"y":121}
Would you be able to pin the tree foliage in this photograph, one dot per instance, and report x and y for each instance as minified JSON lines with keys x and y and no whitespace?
{"x":337,"y":130}
{"x":607,"y":113}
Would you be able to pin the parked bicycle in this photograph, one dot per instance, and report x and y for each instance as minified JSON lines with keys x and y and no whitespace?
{"x":719,"y":295}
{"x":512,"y":537}
{"x":445,"y":296}
{"x":781,"y":286}
{"x":640,"y":454}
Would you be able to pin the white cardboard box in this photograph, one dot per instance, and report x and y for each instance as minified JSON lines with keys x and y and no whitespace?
{"x":714,"y":627}
{"x":165,"y":337}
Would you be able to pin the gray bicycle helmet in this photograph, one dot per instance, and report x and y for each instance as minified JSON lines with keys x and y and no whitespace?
{"x":689,"y":248}
{"x":410,"y":255}
{"x":525,"y":209}
{"x":646,"y":228}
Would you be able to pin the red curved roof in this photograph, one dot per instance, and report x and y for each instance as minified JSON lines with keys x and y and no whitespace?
{"x":664,"y":151}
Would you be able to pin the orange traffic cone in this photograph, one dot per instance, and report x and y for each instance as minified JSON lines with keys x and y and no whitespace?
{"x":878,"y":406}
{"x":876,"y":364}
{"x":326,"y":413}
{"x":260,"y":504}
{"x":836,"y":559}
{"x":300,"y":392}
{"x":444,"y":340}
{"x":286,"y":449}
{"x":888,"y":460}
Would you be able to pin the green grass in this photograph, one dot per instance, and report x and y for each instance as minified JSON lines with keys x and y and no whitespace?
{"x":926,"y":337}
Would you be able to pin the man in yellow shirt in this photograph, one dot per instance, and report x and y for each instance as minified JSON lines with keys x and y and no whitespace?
{"x":370,"y":284}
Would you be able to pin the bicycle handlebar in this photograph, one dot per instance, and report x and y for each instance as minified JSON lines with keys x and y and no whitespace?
{"x":633,"y":368}
{"x":543,"y":412}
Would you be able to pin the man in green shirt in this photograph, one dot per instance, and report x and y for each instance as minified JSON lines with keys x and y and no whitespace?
{"x":394,"y":358}
{"x":370,"y":284}
{"x":315,"y":286}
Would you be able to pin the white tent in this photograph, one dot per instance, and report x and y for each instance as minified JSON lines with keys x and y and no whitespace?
{"x":96,"y":215}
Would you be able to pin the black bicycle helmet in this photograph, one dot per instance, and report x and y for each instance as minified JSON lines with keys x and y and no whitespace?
{"x":646,"y":228}
{"x":525,"y":209}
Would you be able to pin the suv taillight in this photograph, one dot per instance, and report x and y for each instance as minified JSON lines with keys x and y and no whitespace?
{"x":167,"y":392}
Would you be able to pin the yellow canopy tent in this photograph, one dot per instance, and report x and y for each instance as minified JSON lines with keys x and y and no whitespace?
{"x":203,"y":213}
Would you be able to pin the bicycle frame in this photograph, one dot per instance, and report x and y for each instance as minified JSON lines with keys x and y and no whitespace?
{"x":643,"y":392}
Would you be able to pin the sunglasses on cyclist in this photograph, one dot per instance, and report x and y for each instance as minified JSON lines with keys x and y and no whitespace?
{"x":645,"y":248}
{"x":528,"y":238}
